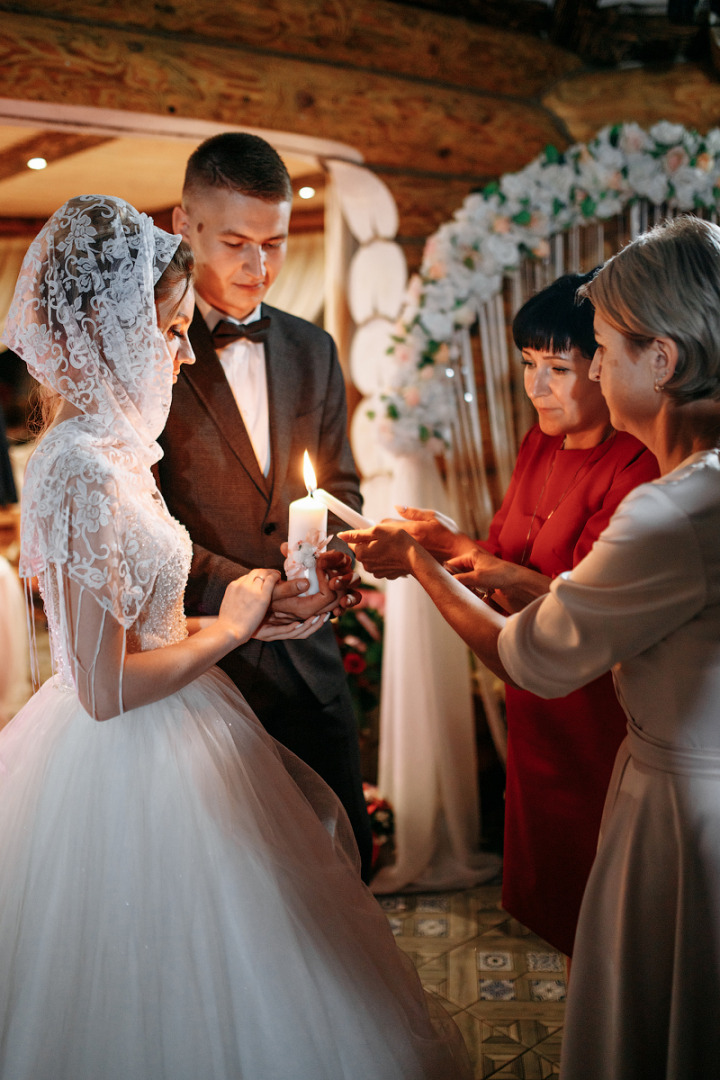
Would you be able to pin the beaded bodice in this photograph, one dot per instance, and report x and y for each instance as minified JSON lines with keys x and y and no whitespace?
{"x":162,"y":620}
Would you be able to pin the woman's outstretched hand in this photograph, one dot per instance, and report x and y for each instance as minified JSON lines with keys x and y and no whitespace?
{"x":383,"y":550}
{"x":437,"y":532}
{"x":512,"y":587}
{"x":477,"y":570}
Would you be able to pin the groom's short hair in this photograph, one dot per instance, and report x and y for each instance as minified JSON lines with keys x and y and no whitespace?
{"x":239,"y":162}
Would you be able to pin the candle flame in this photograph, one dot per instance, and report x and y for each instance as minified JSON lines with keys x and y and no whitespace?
{"x":309,"y":474}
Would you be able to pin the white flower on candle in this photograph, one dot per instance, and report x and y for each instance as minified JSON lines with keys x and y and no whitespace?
{"x":307,"y":531}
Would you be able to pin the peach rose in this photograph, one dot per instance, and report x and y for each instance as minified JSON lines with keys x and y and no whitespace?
{"x":676,"y":158}
{"x":501,"y":225}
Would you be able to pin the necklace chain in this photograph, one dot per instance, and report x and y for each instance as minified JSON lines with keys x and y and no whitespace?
{"x":576,"y":475}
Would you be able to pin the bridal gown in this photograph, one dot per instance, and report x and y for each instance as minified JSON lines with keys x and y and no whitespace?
{"x":178,"y":894}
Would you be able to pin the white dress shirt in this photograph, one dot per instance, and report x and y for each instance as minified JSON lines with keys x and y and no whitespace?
{"x":243,"y":362}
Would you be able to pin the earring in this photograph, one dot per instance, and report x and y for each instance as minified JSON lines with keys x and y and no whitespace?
{"x":659,"y":387}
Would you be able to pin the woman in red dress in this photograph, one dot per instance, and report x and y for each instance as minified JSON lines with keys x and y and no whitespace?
{"x":572,"y":471}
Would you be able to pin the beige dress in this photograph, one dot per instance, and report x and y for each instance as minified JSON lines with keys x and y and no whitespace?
{"x":645,"y":990}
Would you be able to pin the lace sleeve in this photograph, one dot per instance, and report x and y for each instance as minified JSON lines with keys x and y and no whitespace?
{"x":94,"y":549}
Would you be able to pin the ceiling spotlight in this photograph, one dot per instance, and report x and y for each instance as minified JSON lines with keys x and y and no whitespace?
{"x":37,"y":163}
{"x":306,"y":192}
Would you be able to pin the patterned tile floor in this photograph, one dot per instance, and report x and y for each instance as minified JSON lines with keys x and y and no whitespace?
{"x":504,"y":986}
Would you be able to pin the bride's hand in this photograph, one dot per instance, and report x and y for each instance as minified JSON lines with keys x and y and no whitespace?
{"x":245,"y":603}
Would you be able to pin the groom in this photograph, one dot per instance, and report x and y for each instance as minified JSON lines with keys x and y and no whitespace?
{"x":266,"y":387}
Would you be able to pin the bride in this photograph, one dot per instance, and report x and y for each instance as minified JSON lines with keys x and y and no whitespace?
{"x":178,"y":894}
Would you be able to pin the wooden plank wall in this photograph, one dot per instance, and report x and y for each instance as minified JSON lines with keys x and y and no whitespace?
{"x":436,"y":104}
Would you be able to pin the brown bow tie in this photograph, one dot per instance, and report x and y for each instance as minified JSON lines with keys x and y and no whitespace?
{"x":226,"y":332}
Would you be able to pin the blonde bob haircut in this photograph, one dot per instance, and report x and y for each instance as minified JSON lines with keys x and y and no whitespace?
{"x":666,"y":283}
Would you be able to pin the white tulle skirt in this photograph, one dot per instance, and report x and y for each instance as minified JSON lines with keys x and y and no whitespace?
{"x":172,"y":908}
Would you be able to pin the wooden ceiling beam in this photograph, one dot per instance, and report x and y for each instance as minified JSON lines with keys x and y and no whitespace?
{"x":379,"y":36}
{"x":17,"y":226}
{"x":51,"y":145}
{"x":391,"y":120}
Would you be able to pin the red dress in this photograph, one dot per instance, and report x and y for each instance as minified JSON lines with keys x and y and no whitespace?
{"x":560,"y":752}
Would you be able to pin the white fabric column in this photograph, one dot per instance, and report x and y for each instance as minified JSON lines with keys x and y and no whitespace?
{"x":427,"y":766}
{"x":15,"y":664}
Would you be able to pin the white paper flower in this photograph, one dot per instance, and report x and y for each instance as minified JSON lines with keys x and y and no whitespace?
{"x":666,"y":133}
{"x":634,"y":139}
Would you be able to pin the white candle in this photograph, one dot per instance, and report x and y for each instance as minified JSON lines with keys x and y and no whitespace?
{"x":307,"y":525}
{"x":342,"y":510}
{"x":308,"y":518}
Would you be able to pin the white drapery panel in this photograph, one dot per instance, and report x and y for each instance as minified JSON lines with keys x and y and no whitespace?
{"x":427,"y":764}
{"x":300,"y":289}
{"x":15,"y":665}
{"x":12,"y":252}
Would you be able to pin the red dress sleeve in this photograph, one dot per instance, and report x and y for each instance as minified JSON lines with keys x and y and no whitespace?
{"x":559,"y":501}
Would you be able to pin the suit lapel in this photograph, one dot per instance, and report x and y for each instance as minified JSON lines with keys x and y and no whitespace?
{"x":284,"y":395}
{"x":207,"y":378}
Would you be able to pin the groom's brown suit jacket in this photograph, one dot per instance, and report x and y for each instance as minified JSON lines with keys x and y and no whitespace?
{"x":237,"y":518}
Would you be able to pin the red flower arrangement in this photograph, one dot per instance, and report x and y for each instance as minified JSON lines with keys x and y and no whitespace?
{"x":382,"y":820}
{"x":359,"y":634}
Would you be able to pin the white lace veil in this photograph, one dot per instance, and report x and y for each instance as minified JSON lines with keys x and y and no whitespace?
{"x":83,"y":320}
{"x":83,"y":317}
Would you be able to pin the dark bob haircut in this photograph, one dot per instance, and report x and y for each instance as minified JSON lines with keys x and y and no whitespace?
{"x":555,"y":320}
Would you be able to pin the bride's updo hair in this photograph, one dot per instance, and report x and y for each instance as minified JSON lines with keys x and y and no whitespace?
{"x":667,"y":284}
{"x":179,"y":269}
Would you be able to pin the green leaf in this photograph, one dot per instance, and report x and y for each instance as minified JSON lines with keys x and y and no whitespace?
{"x":588,"y":206}
{"x":553,"y":155}
{"x":469,"y":262}
{"x":491,"y":189}
{"x":522,"y":218}
{"x":424,"y":433}
{"x":370,"y":414}
{"x":558,"y":205}
{"x":392,"y":411}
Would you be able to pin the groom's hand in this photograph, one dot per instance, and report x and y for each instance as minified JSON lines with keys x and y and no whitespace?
{"x":337,"y":591}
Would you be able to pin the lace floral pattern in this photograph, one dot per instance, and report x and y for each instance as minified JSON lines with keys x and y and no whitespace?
{"x":83,"y":317}
{"x":94,"y":526}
